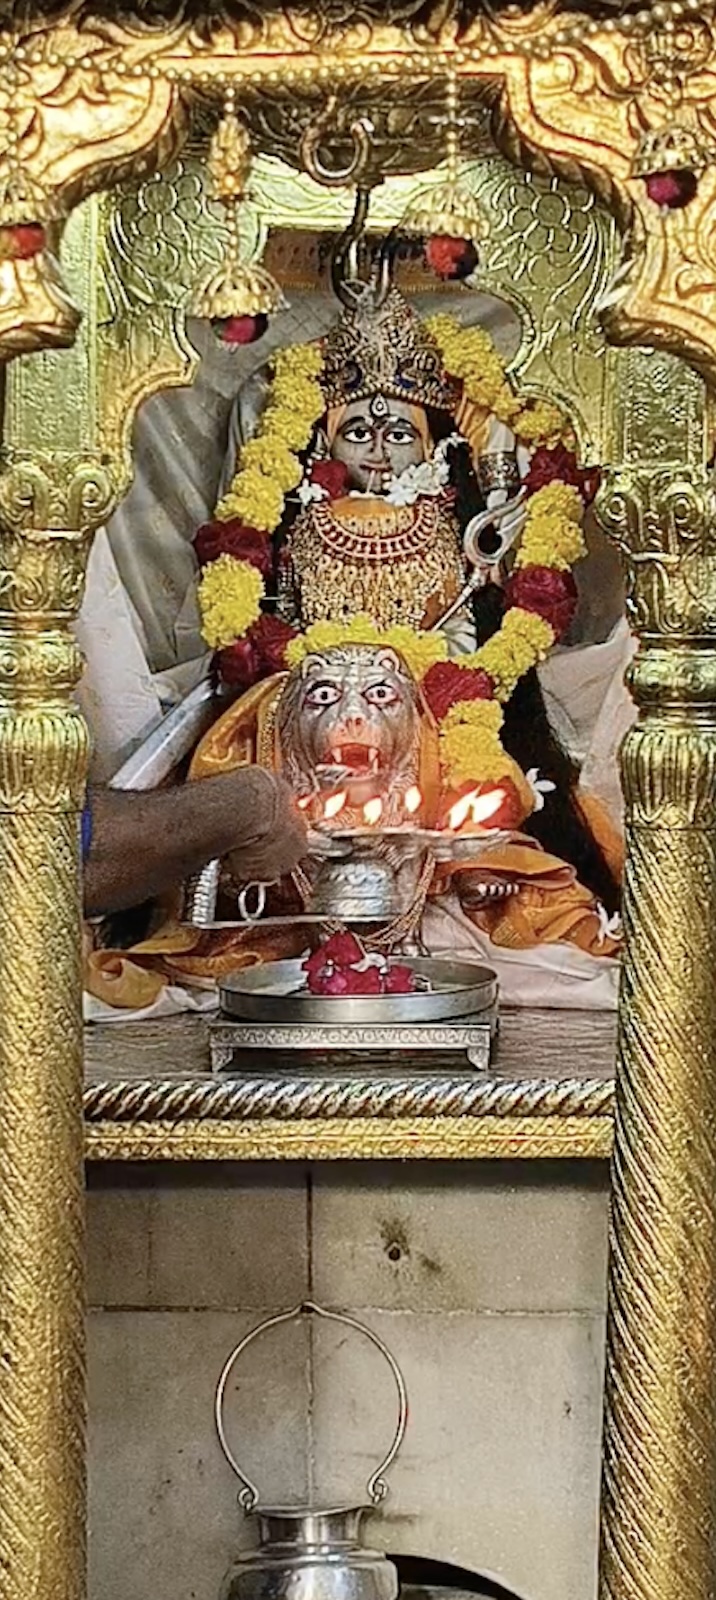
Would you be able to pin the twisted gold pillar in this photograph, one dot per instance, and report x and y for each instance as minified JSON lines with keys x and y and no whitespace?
{"x":42,"y":770}
{"x":659,"y":1465}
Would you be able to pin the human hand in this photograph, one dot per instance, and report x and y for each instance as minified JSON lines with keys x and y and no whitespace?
{"x":270,"y":830}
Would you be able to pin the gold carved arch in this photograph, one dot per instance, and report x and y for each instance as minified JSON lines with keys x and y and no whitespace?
{"x":90,"y":102}
{"x":89,"y":99}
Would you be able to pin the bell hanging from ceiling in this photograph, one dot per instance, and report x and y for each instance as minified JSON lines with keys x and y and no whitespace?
{"x":238,"y":296}
{"x":447,"y":215}
{"x":670,"y":160}
{"x":311,"y":1552}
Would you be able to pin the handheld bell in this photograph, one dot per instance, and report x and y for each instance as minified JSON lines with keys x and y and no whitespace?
{"x":311,"y":1552}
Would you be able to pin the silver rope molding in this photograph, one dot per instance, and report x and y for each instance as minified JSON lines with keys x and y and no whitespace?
{"x":291,"y":1099}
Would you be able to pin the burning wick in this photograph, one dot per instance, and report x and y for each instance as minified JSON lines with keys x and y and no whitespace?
{"x":334,"y":804}
{"x":475,"y":807}
{"x":373,"y":810}
{"x":413,"y":800}
{"x":304,"y":802}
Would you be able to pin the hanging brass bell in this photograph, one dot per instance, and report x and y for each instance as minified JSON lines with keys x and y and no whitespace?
{"x":447,"y":209}
{"x":672,"y":148}
{"x":311,"y":1552}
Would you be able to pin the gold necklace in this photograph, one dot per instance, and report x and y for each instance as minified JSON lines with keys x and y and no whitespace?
{"x":398,"y":564}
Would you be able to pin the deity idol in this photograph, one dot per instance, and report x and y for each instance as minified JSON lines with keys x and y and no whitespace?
{"x":376,"y":648}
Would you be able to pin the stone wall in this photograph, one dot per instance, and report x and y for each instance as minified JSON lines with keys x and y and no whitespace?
{"x":487,"y":1281}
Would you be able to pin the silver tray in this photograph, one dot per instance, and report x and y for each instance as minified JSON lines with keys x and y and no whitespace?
{"x":273,"y":993}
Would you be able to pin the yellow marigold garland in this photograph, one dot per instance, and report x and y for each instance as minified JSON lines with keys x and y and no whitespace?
{"x":470,"y":748}
{"x":469,"y":354}
{"x":420,"y":651}
{"x":269,"y":466}
{"x":229,"y":595}
{"x":522,"y":640}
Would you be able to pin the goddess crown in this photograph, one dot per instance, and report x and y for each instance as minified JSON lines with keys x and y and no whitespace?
{"x":381,"y":346}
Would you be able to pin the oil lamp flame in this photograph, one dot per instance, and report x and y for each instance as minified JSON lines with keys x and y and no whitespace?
{"x":334,"y":804}
{"x":373,"y":810}
{"x":475,"y":807}
{"x":413,"y":800}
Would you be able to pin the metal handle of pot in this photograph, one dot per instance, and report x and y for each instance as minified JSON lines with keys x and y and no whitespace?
{"x":377,"y":1488}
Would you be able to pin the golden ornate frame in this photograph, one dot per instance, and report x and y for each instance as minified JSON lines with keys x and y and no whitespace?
{"x":87,"y":97}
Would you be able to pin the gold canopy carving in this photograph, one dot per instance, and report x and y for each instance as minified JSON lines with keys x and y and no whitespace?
{"x":90,"y":98}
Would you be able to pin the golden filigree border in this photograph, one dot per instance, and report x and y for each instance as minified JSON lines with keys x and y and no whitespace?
{"x":354,"y":1139}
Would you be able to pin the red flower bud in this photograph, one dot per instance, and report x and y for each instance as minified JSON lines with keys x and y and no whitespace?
{"x":240,"y":330}
{"x":672,"y":189}
{"x":451,"y":258}
{"x":549,"y":593}
{"x":21,"y":241}
{"x":399,"y":980}
{"x":557,"y":464}
{"x":234,"y":538}
{"x":331,"y":476}
{"x":269,"y":637}
{"x":445,"y":683}
{"x":238,"y":664}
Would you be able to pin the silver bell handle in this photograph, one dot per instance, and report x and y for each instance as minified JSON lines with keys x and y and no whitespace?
{"x":377,"y":1487}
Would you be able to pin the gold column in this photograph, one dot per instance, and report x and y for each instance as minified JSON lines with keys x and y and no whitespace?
{"x":42,"y":1357}
{"x":659,"y":1463}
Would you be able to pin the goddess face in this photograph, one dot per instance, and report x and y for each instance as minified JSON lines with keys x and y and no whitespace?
{"x":376,"y":440}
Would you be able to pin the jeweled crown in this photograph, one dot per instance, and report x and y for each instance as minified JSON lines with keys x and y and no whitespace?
{"x":385,"y":348}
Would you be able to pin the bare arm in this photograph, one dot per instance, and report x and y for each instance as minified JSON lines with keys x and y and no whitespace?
{"x":143,"y":843}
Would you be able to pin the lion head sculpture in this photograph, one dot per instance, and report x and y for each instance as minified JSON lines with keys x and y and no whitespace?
{"x":349,"y":719}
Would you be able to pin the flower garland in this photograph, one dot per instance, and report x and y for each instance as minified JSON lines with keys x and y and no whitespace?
{"x":234,"y":550}
{"x":420,"y":651}
{"x":470,"y":354}
{"x":465,"y":696}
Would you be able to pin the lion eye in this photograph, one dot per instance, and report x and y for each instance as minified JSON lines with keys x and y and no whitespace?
{"x":323,"y":694}
{"x":381,"y":694}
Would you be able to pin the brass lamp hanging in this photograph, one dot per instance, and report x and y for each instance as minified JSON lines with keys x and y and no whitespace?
{"x":447,"y":215}
{"x":308,"y":1551}
{"x":238,"y":296}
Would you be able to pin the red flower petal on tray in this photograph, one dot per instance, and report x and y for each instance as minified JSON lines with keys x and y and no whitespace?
{"x":343,"y":949}
{"x":445,"y":683}
{"x":368,"y":982}
{"x":338,"y":983}
{"x":549,"y":593}
{"x":399,"y":980}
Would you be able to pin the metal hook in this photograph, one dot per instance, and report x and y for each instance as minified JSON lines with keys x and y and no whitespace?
{"x":314,"y":137}
{"x":348,"y":284}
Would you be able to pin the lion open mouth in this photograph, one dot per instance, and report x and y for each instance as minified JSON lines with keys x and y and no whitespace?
{"x":359,"y":758}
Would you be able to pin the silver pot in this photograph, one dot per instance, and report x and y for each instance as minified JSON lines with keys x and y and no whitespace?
{"x":310,"y":1552}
